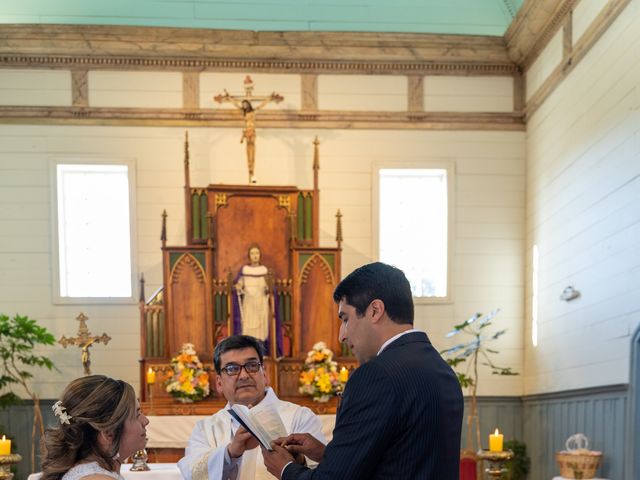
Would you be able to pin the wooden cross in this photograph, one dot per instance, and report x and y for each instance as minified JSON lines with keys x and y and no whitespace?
{"x":84,"y":340}
{"x":248,"y":109}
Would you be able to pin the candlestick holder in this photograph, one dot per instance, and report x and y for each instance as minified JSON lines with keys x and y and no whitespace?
{"x":5,"y":465}
{"x":140,"y":461}
{"x":496,"y":468}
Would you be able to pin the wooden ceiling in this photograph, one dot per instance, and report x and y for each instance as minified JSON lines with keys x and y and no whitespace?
{"x":458,"y":17}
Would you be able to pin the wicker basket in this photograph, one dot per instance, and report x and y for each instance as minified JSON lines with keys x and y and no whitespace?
{"x":578,"y":465}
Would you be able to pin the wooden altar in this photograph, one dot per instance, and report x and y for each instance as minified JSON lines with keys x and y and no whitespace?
{"x":195,"y":303}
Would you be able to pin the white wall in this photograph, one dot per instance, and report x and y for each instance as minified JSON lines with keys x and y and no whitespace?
{"x":583,"y":192}
{"x":488,"y":266}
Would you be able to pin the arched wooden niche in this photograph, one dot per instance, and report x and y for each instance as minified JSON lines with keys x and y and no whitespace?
{"x":318,"y":317}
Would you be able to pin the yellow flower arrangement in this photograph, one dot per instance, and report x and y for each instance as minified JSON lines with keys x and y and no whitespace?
{"x":320,"y":378}
{"x":189,"y":382}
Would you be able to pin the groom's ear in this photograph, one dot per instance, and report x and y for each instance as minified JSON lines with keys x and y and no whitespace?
{"x":377,"y":310}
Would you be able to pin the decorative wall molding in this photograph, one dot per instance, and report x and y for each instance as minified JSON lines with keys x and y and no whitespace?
{"x":621,"y":388}
{"x":124,"y":47}
{"x":416,"y":93}
{"x":269,"y":66}
{"x":577,"y":52}
{"x":535,"y":24}
{"x":268,"y":119}
{"x":80,"y":88}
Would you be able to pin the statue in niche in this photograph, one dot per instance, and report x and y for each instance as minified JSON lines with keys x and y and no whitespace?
{"x":254,"y":308}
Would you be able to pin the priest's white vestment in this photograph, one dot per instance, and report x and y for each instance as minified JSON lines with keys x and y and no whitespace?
{"x":205,"y":454}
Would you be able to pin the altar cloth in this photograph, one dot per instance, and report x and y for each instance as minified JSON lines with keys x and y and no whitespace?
{"x":173,"y":431}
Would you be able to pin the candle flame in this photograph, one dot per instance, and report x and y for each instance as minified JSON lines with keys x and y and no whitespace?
{"x":3,"y":438}
{"x":496,"y":432}
{"x":150,"y":370}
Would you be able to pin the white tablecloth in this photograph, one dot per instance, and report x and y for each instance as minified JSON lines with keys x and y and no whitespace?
{"x":169,"y":431}
{"x":565,"y":478}
{"x":159,"y":471}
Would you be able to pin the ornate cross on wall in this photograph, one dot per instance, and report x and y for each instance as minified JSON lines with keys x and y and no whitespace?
{"x":243,"y":103}
{"x":84,"y":340}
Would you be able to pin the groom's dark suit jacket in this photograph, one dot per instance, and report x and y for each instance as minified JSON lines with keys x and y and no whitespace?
{"x":400,"y":418}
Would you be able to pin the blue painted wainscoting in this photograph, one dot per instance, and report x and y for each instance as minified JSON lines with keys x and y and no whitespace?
{"x":542,"y":422}
{"x":601,"y":413}
{"x":17,"y":422}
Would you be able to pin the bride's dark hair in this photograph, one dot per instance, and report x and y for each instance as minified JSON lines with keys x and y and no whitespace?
{"x":95,"y":403}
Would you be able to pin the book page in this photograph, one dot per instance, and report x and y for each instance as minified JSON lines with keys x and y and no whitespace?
{"x":264,"y":423}
{"x":266,"y":415}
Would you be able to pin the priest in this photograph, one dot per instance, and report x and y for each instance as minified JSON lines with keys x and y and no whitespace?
{"x":219,"y":448}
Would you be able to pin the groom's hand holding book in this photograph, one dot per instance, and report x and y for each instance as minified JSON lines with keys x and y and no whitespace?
{"x":292,"y":448}
{"x":303,"y":444}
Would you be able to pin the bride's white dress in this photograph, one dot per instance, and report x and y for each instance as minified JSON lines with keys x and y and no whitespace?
{"x":85,"y":469}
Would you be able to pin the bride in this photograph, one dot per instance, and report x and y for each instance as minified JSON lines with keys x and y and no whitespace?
{"x":100,"y":424}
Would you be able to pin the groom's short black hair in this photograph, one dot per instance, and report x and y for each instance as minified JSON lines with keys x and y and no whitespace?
{"x":236,"y":342}
{"x":378,"y":281}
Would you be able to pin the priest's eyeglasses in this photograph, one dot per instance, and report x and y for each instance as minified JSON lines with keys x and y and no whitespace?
{"x":233,"y":369}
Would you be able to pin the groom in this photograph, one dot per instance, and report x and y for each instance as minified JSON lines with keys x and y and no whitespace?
{"x":401,"y":412}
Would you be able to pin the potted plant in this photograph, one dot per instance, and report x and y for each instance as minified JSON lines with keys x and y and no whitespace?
{"x":470,"y":353}
{"x":518,"y":466}
{"x":19,"y":336}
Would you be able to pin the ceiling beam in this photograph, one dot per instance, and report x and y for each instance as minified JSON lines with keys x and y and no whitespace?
{"x":151,"y":48}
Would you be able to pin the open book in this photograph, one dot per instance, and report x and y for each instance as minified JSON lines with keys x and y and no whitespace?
{"x":262,"y":421}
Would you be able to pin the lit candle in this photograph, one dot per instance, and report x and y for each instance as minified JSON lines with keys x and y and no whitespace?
{"x":495,"y":442}
{"x":151,"y":376}
{"x":5,"y":446}
{"x":344,"y":375}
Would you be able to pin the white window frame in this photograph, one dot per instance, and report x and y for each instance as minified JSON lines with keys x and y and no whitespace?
{"x":55,"y":253}
{"x":449,"y":166}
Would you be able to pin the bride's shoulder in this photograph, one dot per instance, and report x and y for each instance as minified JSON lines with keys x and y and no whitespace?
{"x":90,"y":471}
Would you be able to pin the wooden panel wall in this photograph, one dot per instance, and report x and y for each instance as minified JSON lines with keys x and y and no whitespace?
{"x":583,"y":188}
{"x":252,"y":220}
{"x":601,"y":414}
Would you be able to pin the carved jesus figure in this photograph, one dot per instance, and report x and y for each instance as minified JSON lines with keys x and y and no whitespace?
{"x":248,"y":109}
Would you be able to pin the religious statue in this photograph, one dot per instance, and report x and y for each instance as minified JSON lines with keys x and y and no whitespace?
{"x":244,"y":104}
{"x":254,"y":306}
{"x":84,"y":340}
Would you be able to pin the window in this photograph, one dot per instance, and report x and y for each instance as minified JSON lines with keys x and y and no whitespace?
{"x":93,"y":231}
{"x":413,"y":231}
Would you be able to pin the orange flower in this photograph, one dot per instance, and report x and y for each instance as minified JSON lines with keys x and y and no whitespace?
{"x":184,"y":358}
{"x":307,"y":377}
{"x":318,"y":357}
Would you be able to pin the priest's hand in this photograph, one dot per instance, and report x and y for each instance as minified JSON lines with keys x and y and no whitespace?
{"x":241,"y":442}
{"x":277,"y":459}
{"x":305,"y":444}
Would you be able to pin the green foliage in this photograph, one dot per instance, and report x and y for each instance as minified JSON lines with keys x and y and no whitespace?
{"x":475,"y":326}
{"x":18,"y":338}
{"x":469,"y":353}
{"x":519,"y":465}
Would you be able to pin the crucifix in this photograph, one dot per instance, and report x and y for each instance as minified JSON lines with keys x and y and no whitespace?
{"x":84,"y":340}
{"x":243,"y":103}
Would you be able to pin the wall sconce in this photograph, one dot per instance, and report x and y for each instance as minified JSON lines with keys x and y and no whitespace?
{"x":569,"y":293}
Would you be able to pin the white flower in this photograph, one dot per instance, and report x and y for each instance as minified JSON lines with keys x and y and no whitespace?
{"x":59,"y":411}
